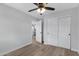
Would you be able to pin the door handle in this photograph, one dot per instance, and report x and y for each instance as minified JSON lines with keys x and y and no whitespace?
{"x":69,"y":34}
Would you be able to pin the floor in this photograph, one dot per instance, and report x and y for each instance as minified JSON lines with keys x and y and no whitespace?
{"x":37,"y":49}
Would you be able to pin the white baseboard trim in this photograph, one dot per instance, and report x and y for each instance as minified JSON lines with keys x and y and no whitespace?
{"x":75,"y":50}
{"x":78,"y":51}
{"x":2,"y":54}
{"x":50,"y":44}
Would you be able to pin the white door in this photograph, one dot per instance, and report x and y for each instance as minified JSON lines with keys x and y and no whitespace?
{"x":64,"y":32}
{"x":38,"y":31}
{"x":51,"y":31}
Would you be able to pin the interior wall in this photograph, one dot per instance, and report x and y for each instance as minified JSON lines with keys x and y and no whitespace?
{"x":74,"y":26}
{"x":74,"y":29}
{"x":78,"y":29}
{"x":15,"y":29}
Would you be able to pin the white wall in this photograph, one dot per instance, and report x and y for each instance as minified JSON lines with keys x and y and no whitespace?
{"x":74,"y":30}
{"x":74,"y":26}
{"x":78,"y":29}
{"x":15,"y":29}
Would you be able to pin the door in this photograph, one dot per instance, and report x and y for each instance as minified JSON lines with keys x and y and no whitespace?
{"x":38,"y":31}
{"x":64,"y":32}
{"x":51,"y":30}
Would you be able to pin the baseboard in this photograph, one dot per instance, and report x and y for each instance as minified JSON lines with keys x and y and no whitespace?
{"x":50,"y":44}
{"x":76,"y":50}
{"x":2,"y":54}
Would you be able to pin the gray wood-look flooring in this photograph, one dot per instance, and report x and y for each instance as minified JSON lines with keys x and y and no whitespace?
{"x":37,"y":49}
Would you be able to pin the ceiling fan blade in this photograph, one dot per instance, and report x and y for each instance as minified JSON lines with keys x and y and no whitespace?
{"x":49,"y":8}
{"x":35,"y":4}
{"x":32,"y":9}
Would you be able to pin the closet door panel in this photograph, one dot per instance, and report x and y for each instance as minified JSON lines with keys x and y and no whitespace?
{"x":52,"y":31}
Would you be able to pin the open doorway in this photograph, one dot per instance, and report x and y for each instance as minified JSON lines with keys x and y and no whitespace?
{"x":36,"y":31}
{"x":33,"y":33}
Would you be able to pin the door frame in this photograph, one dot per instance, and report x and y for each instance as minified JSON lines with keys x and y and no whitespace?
{"x":42,"y":31}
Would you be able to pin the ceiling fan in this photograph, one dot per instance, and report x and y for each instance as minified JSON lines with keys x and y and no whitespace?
{"x":41,"y":8}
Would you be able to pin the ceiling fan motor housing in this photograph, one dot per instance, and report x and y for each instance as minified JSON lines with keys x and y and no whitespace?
{"x":41,"y":5}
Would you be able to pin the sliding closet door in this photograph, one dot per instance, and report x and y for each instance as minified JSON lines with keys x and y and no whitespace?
{"x":64,"y":32}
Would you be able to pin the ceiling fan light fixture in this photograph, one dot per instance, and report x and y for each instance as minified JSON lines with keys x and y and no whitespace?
{"x":41,"y":10}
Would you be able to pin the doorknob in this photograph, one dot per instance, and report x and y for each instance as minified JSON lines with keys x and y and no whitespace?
{"x":69,"y":34}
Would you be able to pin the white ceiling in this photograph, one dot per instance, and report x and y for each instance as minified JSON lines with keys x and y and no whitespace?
{"x":27,"y":6}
